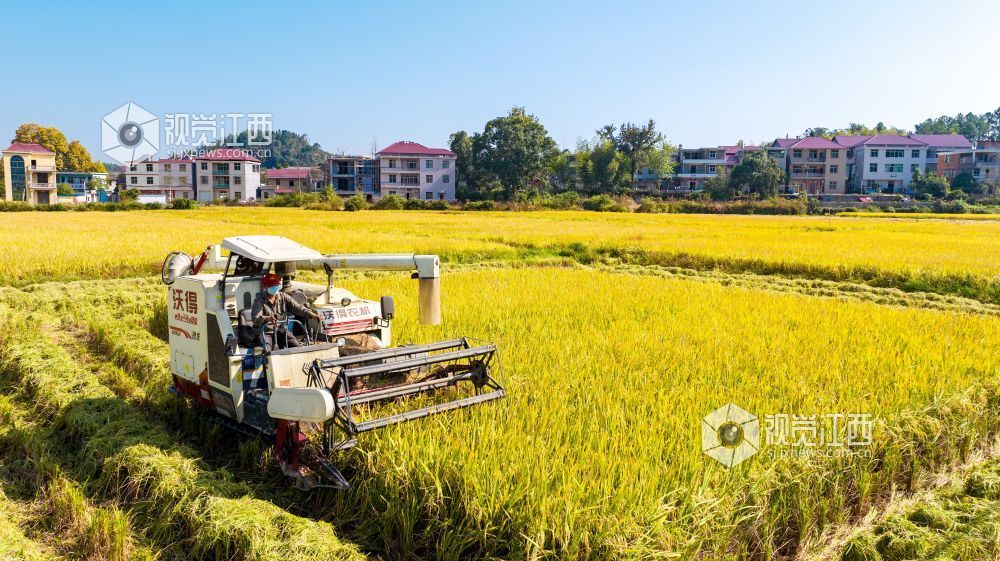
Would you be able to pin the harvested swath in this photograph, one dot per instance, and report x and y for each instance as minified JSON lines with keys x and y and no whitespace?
{"x":176,"y":498}
{"x":14,"y":545}
{"x":69,"y":519}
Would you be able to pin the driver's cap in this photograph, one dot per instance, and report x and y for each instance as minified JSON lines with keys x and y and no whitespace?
{"x":271,"y":279}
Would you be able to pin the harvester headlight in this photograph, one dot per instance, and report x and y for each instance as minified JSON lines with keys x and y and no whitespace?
{"x":345,"y":301}
{"x":175,"y":265}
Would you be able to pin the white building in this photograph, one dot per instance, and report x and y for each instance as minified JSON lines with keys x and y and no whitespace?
{"x":412,"y":171}
{"x":882,"y":163}
{"x":163,"y":180}
{"x":227,"y":174}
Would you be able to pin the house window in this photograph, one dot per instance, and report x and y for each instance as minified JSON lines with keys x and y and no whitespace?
{"x":441,"y":195}
{"x":204,"y":180}
{"x":914,"y":153}
{"x":834,"y":153}
{"x":833,"y":185}
{"x":149,"y":181}
{"x":183,"y":181}
{"x":134,"y":179}
{"x":796,"y":153}
{"x":833,"y":169}
{"x":711,"y":154}
{"x":874,"y":153}
{"x":166,"y":167}
{"x":149,"y":167}
{"x":947,"y":159}
{"x":894,"y":168}
{"x":428,"y":195}
{"x":392,"y":178}
{"x":975,"y":172}
{"x":428,"y":179}
{"x":445,"y":179}
{"x":256,"y":168}
{"x":429,"y":164}
{"x":131,"y":167}
{"x":182,"y":167}
{"x":893,"y":153}
{"x":711,"y":169}
{"x":168,"y":180}
{"x":873,"y":167}
{"x":445,"y":164}
{"x":238,"y":180}
{"x":204,"y":166}
{"x":237,"y":166}
{"x":914,"y":168}
{"x":392,"y":163}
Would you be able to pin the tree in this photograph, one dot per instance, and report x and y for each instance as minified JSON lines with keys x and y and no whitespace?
{"x":719,"y":187}
{"x":967,"y":183}
{"x":78,"y":159}
{"x":756,"y":174}
{"x":287,"y":149}
{"x":129,"y":195}
{"x":49,"y":137}
{"x":660,"y":160}
{"x":635,"y":142}
{"x":931,"y":185}
{"x":461,"y":144}
{"x":64,"y":189}
{"x":514,"y":149}
{"x":609,"y":168}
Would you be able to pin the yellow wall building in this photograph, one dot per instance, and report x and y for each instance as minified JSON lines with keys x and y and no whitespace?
{"x":29,"y":172}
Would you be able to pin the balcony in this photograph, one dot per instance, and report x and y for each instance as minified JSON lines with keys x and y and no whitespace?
{"x":35,"y":167}
{"x":808,"y":173}
{"x":220,"y":186}
{"x":42,"y":186}
{"x":694,"y":175}
{"x":220,"y":172}
{"x":703,"y":161}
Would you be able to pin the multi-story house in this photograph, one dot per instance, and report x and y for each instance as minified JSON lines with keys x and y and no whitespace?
{"x":227,"y":174}
{"x":937,"y":143}
{"x":694,"y":166}
{"x":814,"y":165}
{"x":412,"y":171}
{"x":346,"y":173}
{"x":162,"y":180}
{"x":30,"y":172}
{"x":87,"y":186}
{"x":882,"y":163}
{"x":981,"y":163}
{"x":291,"y":180}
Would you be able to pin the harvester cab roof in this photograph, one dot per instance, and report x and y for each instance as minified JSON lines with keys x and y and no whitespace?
{"x":311,"y":386}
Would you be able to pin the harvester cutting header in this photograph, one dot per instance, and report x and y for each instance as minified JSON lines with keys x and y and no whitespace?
{"x":306,"y":366}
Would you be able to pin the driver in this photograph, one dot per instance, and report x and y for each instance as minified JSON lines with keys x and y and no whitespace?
{"x":273,"y":306}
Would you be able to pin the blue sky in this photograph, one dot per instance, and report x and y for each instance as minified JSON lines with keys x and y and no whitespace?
{"x":350,"y":74}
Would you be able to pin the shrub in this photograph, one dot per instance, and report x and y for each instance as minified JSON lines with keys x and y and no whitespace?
{"x":480,"y":205}
{"x":562,"y":201}
{"x":293,"y":200}
{"x":414,"y":204}
{"x":182,"y":204}
{"x":389,"y":202}
{"x":603,"y":203}
{"x":650,"y":205}
{"x":355,"y":203}
{"x":438,"y":205}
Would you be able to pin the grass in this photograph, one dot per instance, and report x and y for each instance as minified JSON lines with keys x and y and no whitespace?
{"x":960,"y":258}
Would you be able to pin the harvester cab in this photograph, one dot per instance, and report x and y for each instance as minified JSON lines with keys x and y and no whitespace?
{"x":316,"y":398}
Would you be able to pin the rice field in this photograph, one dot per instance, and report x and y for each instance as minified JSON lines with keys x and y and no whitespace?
{"x":610,"y":361}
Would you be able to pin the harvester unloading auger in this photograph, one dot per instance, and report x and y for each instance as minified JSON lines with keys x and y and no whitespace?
{"x":314,"y":399}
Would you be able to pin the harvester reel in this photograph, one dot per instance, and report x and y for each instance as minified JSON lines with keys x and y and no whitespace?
{"x":176,"y":264}
{"x":479,"y":373}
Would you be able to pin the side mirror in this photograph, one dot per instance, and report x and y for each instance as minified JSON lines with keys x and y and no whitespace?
{"x":388,"y":307}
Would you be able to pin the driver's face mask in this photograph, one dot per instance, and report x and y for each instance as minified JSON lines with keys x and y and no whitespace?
{"x":272,"y":290}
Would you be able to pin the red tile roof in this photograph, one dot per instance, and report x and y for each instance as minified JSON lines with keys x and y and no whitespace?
{"x":807,"y":142}
{"x":28,"y":147}
{"x":892,"y":140}
{"x":227,"y":154}
{"x":289,"y":173}
{"x":943,"y":140}
{"x":850,"y":140}
{"x":408,"y":148}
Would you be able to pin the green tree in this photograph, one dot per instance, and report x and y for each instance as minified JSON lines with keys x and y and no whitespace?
{"x":129,"y":195}
{"x":515,"y":149}
{"x":64,"y":189}
{"x":637,"y":143}
{"x":660,"y":160}
{"x":930,"y":185}
{"x":49,"y":137}
{"x":720,"y":188}
{"x":78,"y":159}
{"x":756,"y":174}
{"x":967,"y":183}
{"x":286,"y":149}
{"x":610,"y":168}
{"x":461,"y":144}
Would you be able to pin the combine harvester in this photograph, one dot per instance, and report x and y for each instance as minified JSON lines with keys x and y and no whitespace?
{"x":315,"y":399}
